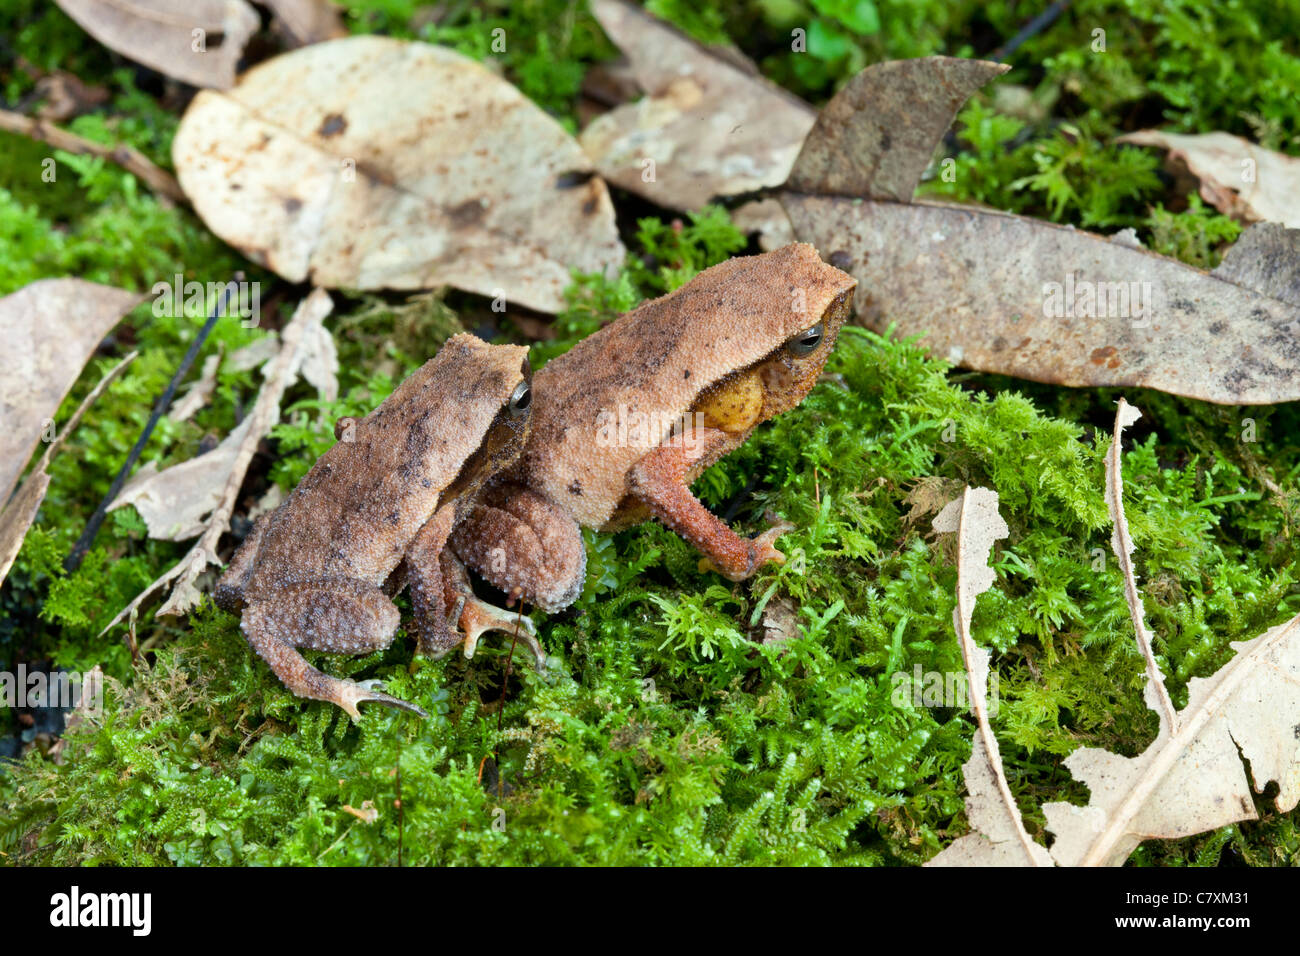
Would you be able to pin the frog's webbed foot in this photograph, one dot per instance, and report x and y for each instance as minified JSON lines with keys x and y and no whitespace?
{"x":478,"y":617}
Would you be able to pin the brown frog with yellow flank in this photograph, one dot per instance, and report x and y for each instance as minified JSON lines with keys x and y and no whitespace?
{"x":628,"y":418}
{"x":374,"y":514}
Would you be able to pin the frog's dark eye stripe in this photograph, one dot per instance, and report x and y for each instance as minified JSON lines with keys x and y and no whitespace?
{"x":806,"y":341}
{"x":521,"y":399}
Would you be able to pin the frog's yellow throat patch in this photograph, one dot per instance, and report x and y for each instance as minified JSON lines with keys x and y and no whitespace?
{"x":735,"y":404}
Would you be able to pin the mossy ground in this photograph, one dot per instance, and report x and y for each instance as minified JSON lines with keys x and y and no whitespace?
{"x":671,"y":734}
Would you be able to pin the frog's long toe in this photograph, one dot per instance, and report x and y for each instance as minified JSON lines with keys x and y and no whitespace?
{"x":371,"y":692}
{"x":478,"y":617}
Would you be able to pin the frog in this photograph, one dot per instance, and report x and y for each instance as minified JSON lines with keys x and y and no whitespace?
{"x":373,"y":516}
{"x":627,"y":419}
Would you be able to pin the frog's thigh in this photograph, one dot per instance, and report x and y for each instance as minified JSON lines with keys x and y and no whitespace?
{"x":524,"y":545}
{"x":659,"y":481}
{"x":344,"y":617}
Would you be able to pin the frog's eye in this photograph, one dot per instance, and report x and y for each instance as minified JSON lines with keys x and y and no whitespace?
{"x":521,"y":399}
{"x":806,"y":341}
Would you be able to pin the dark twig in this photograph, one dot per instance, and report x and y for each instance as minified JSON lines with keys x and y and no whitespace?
{"x":78,"y":552}
{"x":1030,"y":30}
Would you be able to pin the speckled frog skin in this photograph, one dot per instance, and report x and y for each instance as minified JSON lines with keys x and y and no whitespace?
{"x":374,"y":514}
{"x":627,"y":419}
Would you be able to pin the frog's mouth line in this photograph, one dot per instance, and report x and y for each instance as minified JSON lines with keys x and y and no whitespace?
{"x":502,"y":443}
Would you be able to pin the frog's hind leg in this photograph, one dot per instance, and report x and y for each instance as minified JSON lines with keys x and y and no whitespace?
{"x":525,"y":545}
{"x":343,"y":617}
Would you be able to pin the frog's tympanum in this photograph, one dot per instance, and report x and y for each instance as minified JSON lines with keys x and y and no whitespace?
{"x":374,"y":515}
{"x":627,"y":419}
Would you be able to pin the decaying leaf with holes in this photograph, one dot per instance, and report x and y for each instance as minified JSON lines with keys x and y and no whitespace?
{"x":307,"y":167}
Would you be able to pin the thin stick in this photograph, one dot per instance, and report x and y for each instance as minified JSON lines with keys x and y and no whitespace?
{"x":78,"y":552}
{"x":1030,"y":30}
{"x":129,"y":158}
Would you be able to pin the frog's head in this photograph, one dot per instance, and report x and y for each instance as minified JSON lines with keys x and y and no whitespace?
{"x":779,"y":380}
{"x":505,"y":385}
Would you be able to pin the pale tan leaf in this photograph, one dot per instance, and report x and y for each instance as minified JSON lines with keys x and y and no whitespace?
{"x":1017,"y":296}
{"x":309,"y":168}
{"x":1121,"y":542}
{"x":1000,"y":838}
{"x":200,"y":392}
{"x":197,"y":41}
{"x":875,"y":137}
{"x":1193,"y":780}
{"x":1265,"y":259}
{"x":51,"y":328}
{"x":17,"y":516}
{"x":264,"y":414}
{"x":767,"y":218}
{"x":173,"y":502}
{"x":708,"y":126}
{"x":307,"y":21}
{"x":1238,"y":177}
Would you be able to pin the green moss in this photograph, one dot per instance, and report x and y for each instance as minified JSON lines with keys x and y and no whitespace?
{"x":671,"y":733}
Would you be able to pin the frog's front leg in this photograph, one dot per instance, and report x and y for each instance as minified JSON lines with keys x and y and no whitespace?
{"x":526,"y":546}
{"x":340,"y":616}
{"x":476,"y":617}
{"x":659,"y":481}
{"x":442,"y":597}
{"x":436,"y":633}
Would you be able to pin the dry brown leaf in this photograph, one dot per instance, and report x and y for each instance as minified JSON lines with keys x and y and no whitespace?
{"x":1266,"y":259}
{"x":17,"y":516}
{"x":64,"y":96}
{"x":975,"y":284}
{"x":1017,"y":296}
{"x":307,"y":21}
{"x":173,"y":502}
{"x":780,"y":621}
{"x":308,"y":167}
{"x":709,"y":126}
{"x":1121,"y":542}
{"x":1000,"y":838}
{"x":51,"y":328}
{"x":265,"y":412}
{"x":197,"y":42}
{"x":1239,"y":178}
{"x":875,"y":137}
